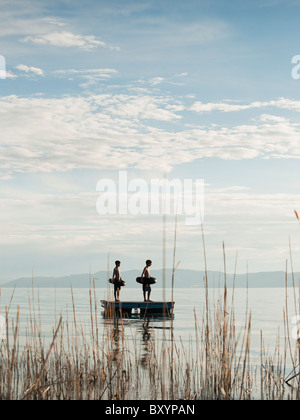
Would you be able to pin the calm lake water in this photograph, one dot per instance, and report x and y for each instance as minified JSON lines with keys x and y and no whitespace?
{"x":266,"y":306}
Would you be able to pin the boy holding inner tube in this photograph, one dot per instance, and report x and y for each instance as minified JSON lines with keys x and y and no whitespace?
{"x":146,"y":286}
{"x":117,"y":279}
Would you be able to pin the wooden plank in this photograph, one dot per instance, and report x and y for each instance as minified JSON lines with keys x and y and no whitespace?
{"x":136,"y":304}
{"x":128,"y":306}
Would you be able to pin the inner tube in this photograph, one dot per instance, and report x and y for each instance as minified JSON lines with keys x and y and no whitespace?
{"x":143,"y":280}
{"x":120,"y":283}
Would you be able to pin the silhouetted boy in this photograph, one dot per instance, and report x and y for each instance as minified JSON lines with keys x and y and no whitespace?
{"x":117,"y":278}
{"x":146,"y":286}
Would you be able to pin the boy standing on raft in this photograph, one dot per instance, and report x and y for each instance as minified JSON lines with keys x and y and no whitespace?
{"x":117,"y":278}
{"x":146,"y":286}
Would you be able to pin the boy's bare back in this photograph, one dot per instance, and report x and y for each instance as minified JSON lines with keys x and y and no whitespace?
{"x":146,"y":273}
{"x":117,"y":275}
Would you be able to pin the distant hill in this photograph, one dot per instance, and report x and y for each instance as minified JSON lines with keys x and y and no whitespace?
{"x":183,"y":279}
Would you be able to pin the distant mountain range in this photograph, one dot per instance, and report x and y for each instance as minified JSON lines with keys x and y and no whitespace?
{"x":183,"y":279}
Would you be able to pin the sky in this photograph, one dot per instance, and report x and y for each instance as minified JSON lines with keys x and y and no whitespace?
{"x":194,"y":90}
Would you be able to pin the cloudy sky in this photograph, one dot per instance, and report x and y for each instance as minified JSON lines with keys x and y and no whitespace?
{"x":201,"y":89}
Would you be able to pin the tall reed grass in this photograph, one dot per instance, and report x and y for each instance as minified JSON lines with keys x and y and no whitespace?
{"x":110,"y":361}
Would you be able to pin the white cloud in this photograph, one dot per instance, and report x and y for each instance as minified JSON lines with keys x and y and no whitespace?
{"x":172,"y":80}
{"x":184,"y":74}
{"x":218,"y":106}
{"x":68,"y":39}
{"x":53,"y":20}
{"x":102,"y":72}
{"x":27,"y":17}
{"x":273,"y":118}
{"x":156,"y":81}
{"x":142,"y":107}
{"x":72,"y":132}
{"x":257,"y":225}
{"x":120,"y":131}
{"x":27,"y":69}
{"x":281,"y":103}
{"x":10,"y":75}
{"x":88,"y":77}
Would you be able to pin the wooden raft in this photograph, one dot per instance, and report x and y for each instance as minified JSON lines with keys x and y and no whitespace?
{"x":140,"y":307}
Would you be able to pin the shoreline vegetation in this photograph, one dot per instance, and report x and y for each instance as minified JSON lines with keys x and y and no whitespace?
{"x":107,"y":363}
{"x":103,"y":362}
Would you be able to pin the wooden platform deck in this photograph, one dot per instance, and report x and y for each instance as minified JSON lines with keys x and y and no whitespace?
{"x":140,"y":307}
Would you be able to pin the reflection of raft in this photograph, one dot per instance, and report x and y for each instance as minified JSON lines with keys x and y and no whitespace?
{"x":144,"y":280}
{"x":120,"y":283}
